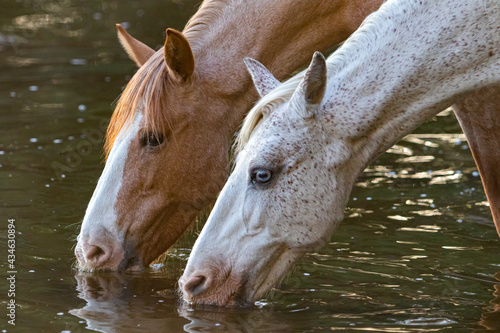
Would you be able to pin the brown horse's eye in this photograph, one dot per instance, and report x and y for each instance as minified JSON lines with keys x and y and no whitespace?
{"x":149,"y":139}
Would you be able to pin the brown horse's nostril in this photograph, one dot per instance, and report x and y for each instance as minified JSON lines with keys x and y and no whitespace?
{"x":94,"y":253}
{"x":195,"y":285}
{"x":99,"y":254}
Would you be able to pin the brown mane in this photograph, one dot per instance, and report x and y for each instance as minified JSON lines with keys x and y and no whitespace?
{"x":150,"y":82}
{"x":201,"y":21}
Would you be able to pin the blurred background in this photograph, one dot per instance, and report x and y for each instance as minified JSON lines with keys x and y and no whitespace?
{"x":416,"y":252}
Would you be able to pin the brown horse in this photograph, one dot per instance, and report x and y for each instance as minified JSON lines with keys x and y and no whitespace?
{"x":168,"y":141}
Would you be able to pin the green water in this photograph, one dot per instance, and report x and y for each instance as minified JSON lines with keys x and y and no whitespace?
{"x":417,"y":251}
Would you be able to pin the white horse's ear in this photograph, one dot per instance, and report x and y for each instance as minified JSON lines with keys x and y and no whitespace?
{"x":262,"y":78}
{"x":310,"y":92}
{"x":137,"y":51}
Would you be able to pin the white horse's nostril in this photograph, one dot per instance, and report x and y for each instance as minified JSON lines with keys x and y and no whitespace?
{"x":195,"y":285}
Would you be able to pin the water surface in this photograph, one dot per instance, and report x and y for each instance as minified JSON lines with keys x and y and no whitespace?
{"x":417,"y":251}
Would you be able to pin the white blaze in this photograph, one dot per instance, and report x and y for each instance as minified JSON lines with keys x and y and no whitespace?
{"x":100,"y":213}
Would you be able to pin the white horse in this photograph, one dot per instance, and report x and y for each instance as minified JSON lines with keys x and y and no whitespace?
{"x":303,"y":145}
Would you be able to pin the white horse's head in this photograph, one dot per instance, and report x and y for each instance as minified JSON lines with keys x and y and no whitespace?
{"x":284,"y":198}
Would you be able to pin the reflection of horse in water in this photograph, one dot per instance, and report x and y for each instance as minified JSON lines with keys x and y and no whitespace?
{"x":237,"y":320}
{"x":122,"y":303}
{"x":117,"y":303}
{"x":491,"y":320}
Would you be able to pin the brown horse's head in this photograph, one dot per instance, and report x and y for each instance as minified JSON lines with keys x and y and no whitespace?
{"x":166,"y":159}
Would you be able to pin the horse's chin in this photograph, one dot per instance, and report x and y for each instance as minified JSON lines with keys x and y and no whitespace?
{"x":243,"y":295}
{"x":227,"y":294}
{"x":224,"y":300}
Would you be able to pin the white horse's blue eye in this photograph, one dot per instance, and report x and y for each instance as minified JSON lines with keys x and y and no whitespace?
{"x":261,"y":176}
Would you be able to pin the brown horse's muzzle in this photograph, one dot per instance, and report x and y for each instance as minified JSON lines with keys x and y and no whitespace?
{"x":105,"y":253}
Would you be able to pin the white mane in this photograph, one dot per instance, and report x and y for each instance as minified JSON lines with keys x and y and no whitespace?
{"x":356,"y":43}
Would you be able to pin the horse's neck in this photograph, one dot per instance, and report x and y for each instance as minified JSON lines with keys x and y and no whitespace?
{"x":280,"y":34}
{"x":406,"y":63}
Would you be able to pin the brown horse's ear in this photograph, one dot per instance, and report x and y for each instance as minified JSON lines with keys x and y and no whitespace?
{"x":137,"y":51}
{"x":178,"y":55}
